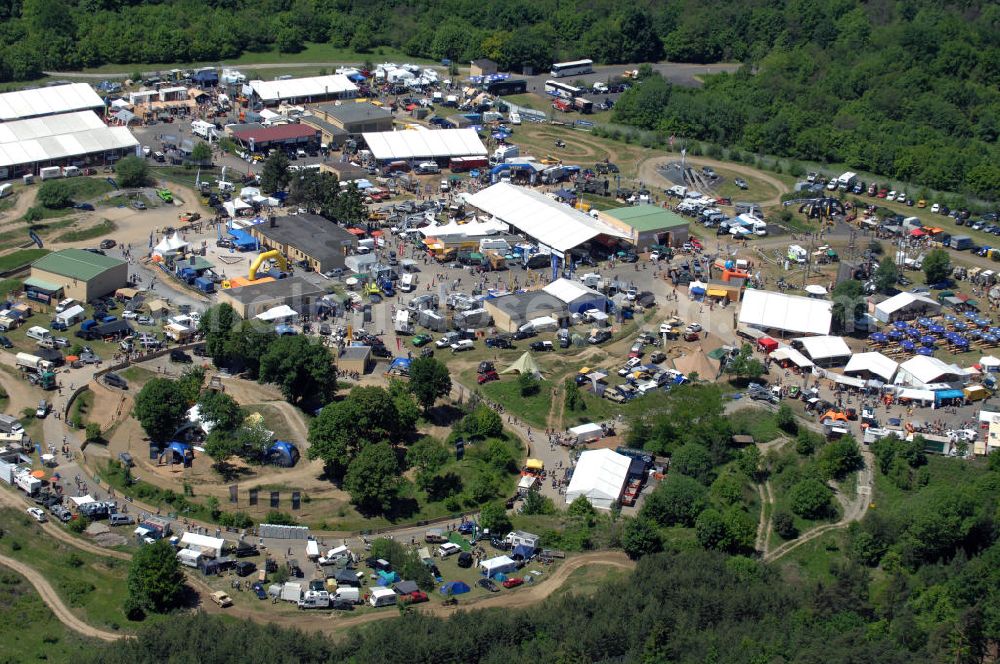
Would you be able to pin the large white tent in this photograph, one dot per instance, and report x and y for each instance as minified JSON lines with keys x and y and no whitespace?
{"x":498,"y":565}
{"x":303,"y":88}
{"x":211,"y":546}
{"x":905,"y":305}
{"x":48,"y":101}
{"x":568,"y":290}
{"x":873,"y":363}
{"x":56,"y":137}
{"x":923,"y":370}
{"x":169,"y":245}
{"x":824,"y":348}
{"x":787,"y":313}
{"x":788,"y":353}
{"x":553,"y":224}
{"x":599,"y":477}
{"x":424,"y":144}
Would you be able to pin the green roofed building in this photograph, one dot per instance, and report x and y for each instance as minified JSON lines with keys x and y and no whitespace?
{"x":83,"y":275}
{"x":648,"y":225}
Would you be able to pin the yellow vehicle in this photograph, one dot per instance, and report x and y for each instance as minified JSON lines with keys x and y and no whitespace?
{"x":549,"y":160}
{"x":921,"y":203}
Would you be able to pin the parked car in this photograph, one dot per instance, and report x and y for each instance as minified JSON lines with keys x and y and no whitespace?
{"x":222,"y":599}
{"x":498,"y":342}
{"x":487,"y":377}
{"x":741,"y":183}
{"x":83,"y":206}
{"x":462,"y":346}
{"x":165,"y":195}
{"x":37,"y":514}
{"x":258,"y":589}
{"x":487,"y":584}
{"x":420,"y":340}
{"x":513,"y":582}
{"x":114,"y":380}
{"x":447,"y":340}
{"x":5,"y":342}
{"x":541,"y":346}
{"x":108,"y":244}
{"x":177,"y":355}
{"x":61,"y":513}
{"x":138,"y":204}
{"x":599,"y":337}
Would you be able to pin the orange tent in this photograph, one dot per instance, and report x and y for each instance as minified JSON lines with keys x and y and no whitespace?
{"x":833,"y":415}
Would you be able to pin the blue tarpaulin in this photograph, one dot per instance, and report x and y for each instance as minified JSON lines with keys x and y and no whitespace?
{"x":948,"y":394}
{"x":242,"y":239}
{"x":523,"y":551}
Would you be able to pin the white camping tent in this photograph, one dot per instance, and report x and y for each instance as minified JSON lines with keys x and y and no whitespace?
{"x":905,"y":305}
{"x":921,"y":370}
{"x":498,"y":565}
{"x":169,"y":245}
{"x":599,"y":477}
{"x":211,"y":546}
{"x":874,"y":363}
{"x":787,"y":313}
{"x":824,"y":348}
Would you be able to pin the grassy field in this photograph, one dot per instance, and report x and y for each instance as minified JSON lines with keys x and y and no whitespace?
{"x":274,"y":420}
{"x":82,"y":406}
{"x":105,"y":227}
{"x":137,"y":377}
{"x":758,"y":190}
{"x":184,"y":176}
{"x":756,"y":422}
{"x":28,"y":629}
{"x":21,"y":258}
{"x":92,"y":586}
{"x":85,"y":189}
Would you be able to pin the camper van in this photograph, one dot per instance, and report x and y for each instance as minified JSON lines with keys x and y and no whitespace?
{"x":382,"y":597}
{"x":797,"y":254}
{"x":347,"y":594}
{"x":6,"y":189}
{"x":64,"y":305}
{"x":50,"y":173}
{"x":408,"y":282}
{"x":38,"y":333}
{"x":71,"y":171}
{"x":315,"y":599}
{"x":204,"y":129}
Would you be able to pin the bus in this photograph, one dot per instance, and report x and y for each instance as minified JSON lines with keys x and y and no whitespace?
{"x":574,"y":68}
{"x":564,"y":90}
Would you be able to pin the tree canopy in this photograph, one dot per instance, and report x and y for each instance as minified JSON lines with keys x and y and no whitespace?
{"x":155,"y":582}
{"x":160,"y":408}
{"x":429,"y":380}
{"x":301,"y":368}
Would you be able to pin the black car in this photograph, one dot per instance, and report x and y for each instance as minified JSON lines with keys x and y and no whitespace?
{"x":485,"y":367}
{"x":108,"y":244}
{"x":498,"y":342}
{"x":5,"y":342}
{"x":525,"y":333}
{"x":488,"y":584}
{"x":324,"y":329}
{"x":341,"y":605}
{"x":245,"y":550}
{"x":200,"y":350}
{"x":599,"y":337}
{"x":114,"y":380}
{"x":541,"y":346}
{"x":180,"y":356}
{"x":245,"y":568}
{"x":628,"y":257}
{"x":83,"y":206}
{"x":379,"y":350}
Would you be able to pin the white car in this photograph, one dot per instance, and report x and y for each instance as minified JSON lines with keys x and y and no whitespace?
{"x":130,"y":315}
{"x":693,"y":327}
{"x":936,"y":208}
{"x":463,"y":345}
{"x":515,"y":118}
{"x":831,"y":185}
{"x":37,"y":514}
{"x":445,"y":187}
{"x":655,"y":255}
{"x":631,"y":294}
{"x":632,"y":363}
{"x":144,"y":320}
{"x":891,"y":196}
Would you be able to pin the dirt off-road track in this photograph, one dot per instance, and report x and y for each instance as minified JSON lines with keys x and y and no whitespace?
{"x":52,"y":600}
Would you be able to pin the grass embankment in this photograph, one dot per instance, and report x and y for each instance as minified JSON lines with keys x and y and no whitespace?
{"x":102,"y":229}
{"x":92,"y":586}
{"x":28,"y":628}
{"x":19,"y":259}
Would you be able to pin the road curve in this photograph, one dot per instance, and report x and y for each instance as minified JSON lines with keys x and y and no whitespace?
{"x":52,"y":600}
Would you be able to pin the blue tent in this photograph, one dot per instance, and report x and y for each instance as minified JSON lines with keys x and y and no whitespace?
{"x":282,"y":453}
{"x":522,"y":551}
{"x":177,"y":452}
{"x":455,"y":588}
{"x":387,"y":578}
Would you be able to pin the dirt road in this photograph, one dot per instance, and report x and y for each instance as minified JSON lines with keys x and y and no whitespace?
{"x":649,"y":174}
{"x":52,"y":600}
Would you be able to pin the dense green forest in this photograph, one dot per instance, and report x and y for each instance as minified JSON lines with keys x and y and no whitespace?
{"x":907,"y":89}
{"x":684,"y":607}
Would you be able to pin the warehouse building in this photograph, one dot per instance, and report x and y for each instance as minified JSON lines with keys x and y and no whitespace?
{"x":319,"y":242}
{"x":78,"y":139}
{"x":355,"y":118}
{"x":24,"y":104}
{"x":306,"y":90}
{"x":81,"y":275}
{"x":424,"y":144}
{"x":330,"y":135}
{"x":483,"y":67}
{"x":647,"y":225}
{"x":552,"y":224}
{"x":294,"y":135}
{"x":253,"y":299}
{"x":510,"y":312}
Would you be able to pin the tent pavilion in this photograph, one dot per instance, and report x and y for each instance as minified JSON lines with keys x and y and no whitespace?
{"x":498,"y":565}
{"x":872,"y":364}
{"x":524,"y":365}
{"x":541,"y":217}
{"x":578,"y":298}
{"x":904,"y":306}
{"x":599,"y":477}
{"x":209,"y":546}
{"x":789,"y":354}
{"x":923,"y":370}
{"x":786,"y":313}
{"x":585,"y":433}
{"x":424,"y":144}
{"x":824,"y":350}
{"x":170,"y":245}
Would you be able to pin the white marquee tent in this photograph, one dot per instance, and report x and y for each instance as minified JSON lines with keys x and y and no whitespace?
{"x":874,"y":363}
{"x":599,"y":477}
{"x":568,"y":290}
{"x":169,"y":245}
{"x":56,"y":137}
{"x":787,"y":313}
{"x":48,"y":101}
{"x":302,"y":88}
{"x":498,"y":565}
{"x":905,"y":305}
{"x":543,"y":218}
{"x":922,"y":370}
{"x":211,"y":546}
{"x":788,"y":353}
{"x":424,"y":144}
{"x":824,"y":348}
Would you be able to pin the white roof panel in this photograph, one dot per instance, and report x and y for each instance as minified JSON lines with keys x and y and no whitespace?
{"x":599,"y":474}
{"x":822,"y":348}
{"x":552,"y":223}
{"x":789,"y":353}
{"x":923,"y":369}
{"x":47,"y":101}
{"x":58,"y":137}
{"x":567,"y":290}
{"x":412,"y":144}
{"x":790,"y":313}
{"x":876,"y":363}
{"x":903,"y":300}
{"x":295,"y":88}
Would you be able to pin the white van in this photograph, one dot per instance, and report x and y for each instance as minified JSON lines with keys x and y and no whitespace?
{"x":347,"y":594}
{"x":64,"y":305}
{"x":382,"y":597}
{"x":408,"y":282}
{"x":38,"y":333}
{"x":6,"y":189}
{"x":448,"y":549}
{"x":118,"y":519}
{"x":71,"y":171}
{"x":50,"y":172}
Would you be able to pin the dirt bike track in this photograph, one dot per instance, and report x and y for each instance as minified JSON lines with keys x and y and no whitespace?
{"x":650,"y":175}
{"x":52,"y":600}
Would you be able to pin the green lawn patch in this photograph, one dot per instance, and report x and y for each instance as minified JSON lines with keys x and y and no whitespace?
{"x":84,"y":189}
{"x":601,"y":202}
{"x":137,"y":376}
{"x":274,"y":420}
{"x":82,"y":406}
{"x":92,"y":586}
{"x":28,"y":628}
{"x":100,"y":230}
{"x":533,"y":410}
{"x":22,"y":258}
{"x":756,"y":422}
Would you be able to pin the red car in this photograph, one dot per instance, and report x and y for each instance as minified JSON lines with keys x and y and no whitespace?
{"x":487,"y":377}
{"x":416,"y":597}
{"x":883,"y":193}
{"x":696,"y":243}
{"x":513,"y":582}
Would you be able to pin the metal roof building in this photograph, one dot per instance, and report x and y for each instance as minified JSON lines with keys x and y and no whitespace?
{"x":648,"y":224}
{"x":24,"y":104}
{"x":424,"y":144}
{"x":311,"y":88}
{"x":541,"y":217}
{"x":53,"y":138}
{"x":83,"y":275}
